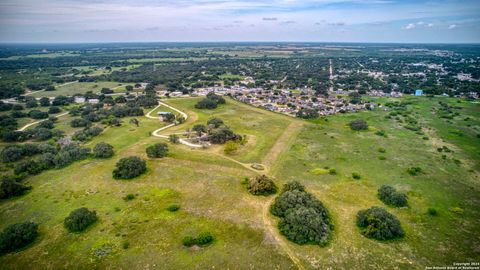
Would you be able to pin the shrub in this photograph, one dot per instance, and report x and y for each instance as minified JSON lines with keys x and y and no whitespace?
{"x":382,"y":150}
{"x":230,"y":147}
{"x":206,"y":103}
{"x":80,"y":219}
{"x":129,"y":167}
{"x":199,"y":129}
{"x":11,"y":188}
{"x":358,"y":124}
{"x":304,"y":219}
{"x":293,"y":185}
{"x":17,"y":236}
{"x":356,"y":176}
{"x":36,"y":114}
{"x":103,"y":150}
{"x":188,"y":241}
{"x":157,"y":150}
{"x":261,"y":185}
{"x":204,"y":238}
{"x":215,"y":122}
{"x":173,"y":138}
{"x":129,"y":197}
{"x":80,"y":122}
{"x":304,"y":226}
{"x":432,"y":212}
{"x":414,"y":171}
{"x":332,"y":171}
{"x":379,"y":224}
{"x":173,"y":207}
{"x":390,"y":196}
{"x":222,"y":135}
{"x":54,"y":109}
{"x":381,"y":133}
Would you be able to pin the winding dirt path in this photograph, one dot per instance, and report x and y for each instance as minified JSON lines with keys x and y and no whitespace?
{"x":282,"y":143}
{"x":39,"y":121}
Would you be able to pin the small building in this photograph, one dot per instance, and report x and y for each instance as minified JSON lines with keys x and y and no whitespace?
{"x":79,"y":100}
{"x":93,"y":101}
{"x":418,"y":92}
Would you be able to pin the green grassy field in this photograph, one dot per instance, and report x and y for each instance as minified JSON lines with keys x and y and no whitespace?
{"x":207,"y":187}
{"x":69,"y":89}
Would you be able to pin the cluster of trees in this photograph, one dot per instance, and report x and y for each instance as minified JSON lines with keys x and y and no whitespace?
{"x":80,"y":219}
{"x":390,"y":196}
{"x":378,"y":223}
{"x":210,"y":102}
{"x":307,"y":113}
{"x":87,"y":133}
{"x":261,"y":185}
{"x":157,"y":150}
{"x":303,"y":218}
{"x":129,"y":167}
{"x":217,"y":131}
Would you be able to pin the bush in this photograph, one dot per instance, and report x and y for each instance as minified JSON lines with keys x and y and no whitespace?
{"x":304,"y":226}
{"x":432,"y":212}
{"x":54,"y":109}
{"x":173,"y":138}
{"x":129,"y":197}
{"x":215,"y":122}
{"x":206,"y":103}
{"x":293,"y":185}
{"x":332,"y":171}
{"x":103,"y":150}
{"x":261,"y":185}
{"x":80,"y":122}
{"x":414,"y":171}
{"x":80,"y":219}
{"x":379,"y":224}
{"x":188,"y":241}
{"x":129,"y":167}
{"x":157,"y":150}
{"x":46,"y":124}
{"x":356,"y":176}
{"x":11,"y":188}
{"x":390,"y":196}
{"x":358,"y":124}
{"x":230,"y":147}
{"x":303,"y":218}
{"x":222,"y":135}
{"x":17,"y":236}
{"x":204,"y":238}
{"x":381,"y":133}
{"x":36,"y":114}
{"x":173,"y":207}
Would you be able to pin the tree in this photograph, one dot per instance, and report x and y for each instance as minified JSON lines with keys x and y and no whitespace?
{"x":173,"y":138}
{"x":80,"y":122}
{"x":129,"y":88}
{"x":80,"y":219}
{"x":106,"y":91}
{"x":157,"y":150}
{"x":379,"y":224}
{"x":17,"y":236}
{"x":44,"y":102}
{"x":390,"y":196}
{"x":54,"y":109}
{"x":11,"y":188}
{"x":304,"y":226}
{"x":135,"y":121}
{"x":199,"y":128}
{"x":129,"y":167}
{"x":355,"y":97}
{"x":36,"y":114}
{"x":222,"y":135}
{"x":230,"y":147}
{"x":169,"y":117}
{"x":206,"y":103}
{"x":261,"y":185}
{"x":307,"y":113}
{"x":358,"y":124}
{"x":215,"y":122}
{"x":50,"y":88}
{"x":103,"y":150}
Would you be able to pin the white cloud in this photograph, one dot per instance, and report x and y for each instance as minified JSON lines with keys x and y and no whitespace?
{"x":452,"y":26}
{"x":430,"y":25}
{"x":420,"y":23}
{"x":409,"y":26}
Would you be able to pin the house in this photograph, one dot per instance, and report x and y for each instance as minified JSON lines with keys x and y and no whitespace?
{"x":93,"y":101}
{"x":79,"y":100}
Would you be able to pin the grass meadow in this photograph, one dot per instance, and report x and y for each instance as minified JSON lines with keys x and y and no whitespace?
{"x":142,"y":234}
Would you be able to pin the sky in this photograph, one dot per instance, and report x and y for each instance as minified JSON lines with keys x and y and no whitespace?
{"x":80,"y":21}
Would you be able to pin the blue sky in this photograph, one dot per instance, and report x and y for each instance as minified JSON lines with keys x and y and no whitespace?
{"x":443,"y":21}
